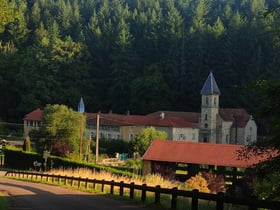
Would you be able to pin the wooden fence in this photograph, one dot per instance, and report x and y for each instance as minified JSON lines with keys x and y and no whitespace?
{"x":220,"y":199}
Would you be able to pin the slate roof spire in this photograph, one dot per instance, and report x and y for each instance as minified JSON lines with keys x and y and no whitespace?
{"x":210,"y":86}
{"x":81,"y":106}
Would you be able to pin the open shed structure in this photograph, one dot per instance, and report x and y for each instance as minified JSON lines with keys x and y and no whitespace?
{"x":199,"y":156}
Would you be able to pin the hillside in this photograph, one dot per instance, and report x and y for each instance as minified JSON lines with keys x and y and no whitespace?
{"x":137,"y":55}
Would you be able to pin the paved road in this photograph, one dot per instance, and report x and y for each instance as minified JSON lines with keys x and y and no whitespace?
{"x":36,"y":196}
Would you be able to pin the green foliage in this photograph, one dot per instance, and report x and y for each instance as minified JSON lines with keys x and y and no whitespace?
{"x":62,"y":126}
{"x":133,"y":55}
{"x":268,"y":188}
{"x":142,"y":140}
{"x":111,"y":147}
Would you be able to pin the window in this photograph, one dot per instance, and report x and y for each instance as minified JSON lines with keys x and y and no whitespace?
{"x":227,"y":138}
{"x":193,"y":136}
{"x":207,"y":101}
{"x":182,"y":136}
{"x":215,"y":101}
{"x":205,"y":117}
{"x":130,"y":136}
{"x":205,"y":125}
{"x":205,"y":139}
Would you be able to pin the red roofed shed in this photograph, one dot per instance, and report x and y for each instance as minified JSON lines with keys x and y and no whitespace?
{"x":198,"y":153}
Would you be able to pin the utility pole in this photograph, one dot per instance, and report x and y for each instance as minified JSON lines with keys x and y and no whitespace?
{"x":97,"y":139}
{"x":81,"y":140}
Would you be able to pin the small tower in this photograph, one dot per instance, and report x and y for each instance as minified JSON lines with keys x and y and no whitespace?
{"x":209,"y":110}
{"x":81,"y":106}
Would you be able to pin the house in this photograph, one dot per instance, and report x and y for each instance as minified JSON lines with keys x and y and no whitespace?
{"x":218,"y":125}
{"x":124,"y":127}
{"x":201,"y":154}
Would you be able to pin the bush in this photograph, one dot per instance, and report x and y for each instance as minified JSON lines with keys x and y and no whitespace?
{"x":198,"y":182}
{"x":216,"y":183}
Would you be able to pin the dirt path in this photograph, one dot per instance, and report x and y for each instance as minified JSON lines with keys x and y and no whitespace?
{"x":36,"y":196}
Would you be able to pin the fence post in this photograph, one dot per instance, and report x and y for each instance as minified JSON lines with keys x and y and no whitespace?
{"x":93,"y":185}
{"x":253,"y":203}
{"x":72,"y":181}
{"x":112,"y":187}
{"x":144,"y":190}
{"x":157,"y":194}
{"x":102,"y":186}
{"x":131,"y":193}
{"x":195,"y":199}
{"x":86,"y":183}
{"x":79,"y":182}
{"x":174,"y":198}
{"x":121,"y":188}
{"x":220,"y":201}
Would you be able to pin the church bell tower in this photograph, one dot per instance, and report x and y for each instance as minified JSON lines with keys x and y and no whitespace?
{"x":209,"y":110}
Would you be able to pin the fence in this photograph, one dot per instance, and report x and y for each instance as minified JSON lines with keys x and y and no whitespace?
{"x":220,"y":199}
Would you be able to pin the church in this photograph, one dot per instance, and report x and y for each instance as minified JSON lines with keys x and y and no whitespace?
{"x":213,"y":124}
{"x":219,"y":125}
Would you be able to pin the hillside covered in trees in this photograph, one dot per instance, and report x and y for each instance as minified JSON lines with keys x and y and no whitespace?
{"x":137,"y":55}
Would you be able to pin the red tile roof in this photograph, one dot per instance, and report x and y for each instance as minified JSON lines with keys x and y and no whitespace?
{"x":192,"y":117}
{"x":126,"y":120}
{"x":199,"y":153}
{"x":239,"y":117}
{"x":35,"y":115}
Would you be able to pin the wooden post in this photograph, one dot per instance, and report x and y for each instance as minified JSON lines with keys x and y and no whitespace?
{"x":157,"y":194}
{"x":121,"y":188}
{"x":195,"y":200}
{"x":174,"y":198}
{"x":144,"y":194}
{"x":220,"y":201}
{"x":102,"y":186}
{"x":112,"y":187}
{"x":97,"y":139}
{"x":131,"y":193}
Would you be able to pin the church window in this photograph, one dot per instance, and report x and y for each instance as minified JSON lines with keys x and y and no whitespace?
{"x":207,"y":101}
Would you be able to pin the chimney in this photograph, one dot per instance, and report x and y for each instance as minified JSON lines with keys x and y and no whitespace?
{"x":162,"y":115}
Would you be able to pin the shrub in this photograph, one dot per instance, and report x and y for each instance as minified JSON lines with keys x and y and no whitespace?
{"x":198,"y":182}
{"x":216,"y":183}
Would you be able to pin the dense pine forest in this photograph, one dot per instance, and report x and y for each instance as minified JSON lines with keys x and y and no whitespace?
{"x":137,"y":55}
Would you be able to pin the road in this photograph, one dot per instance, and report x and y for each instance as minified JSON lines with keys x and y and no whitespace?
{"x":35,"y":196}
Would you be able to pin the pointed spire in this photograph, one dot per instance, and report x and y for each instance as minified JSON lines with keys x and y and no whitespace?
{"x":210,"y":86}
{"x":81,"y":106}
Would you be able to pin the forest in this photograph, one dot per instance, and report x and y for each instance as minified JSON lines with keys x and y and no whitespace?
{"x":136,"y":55}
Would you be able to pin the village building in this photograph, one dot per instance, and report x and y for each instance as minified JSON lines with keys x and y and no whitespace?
{"x":195,"y":157}
{"x":218,"y":125}
{"x":212,"y":125}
